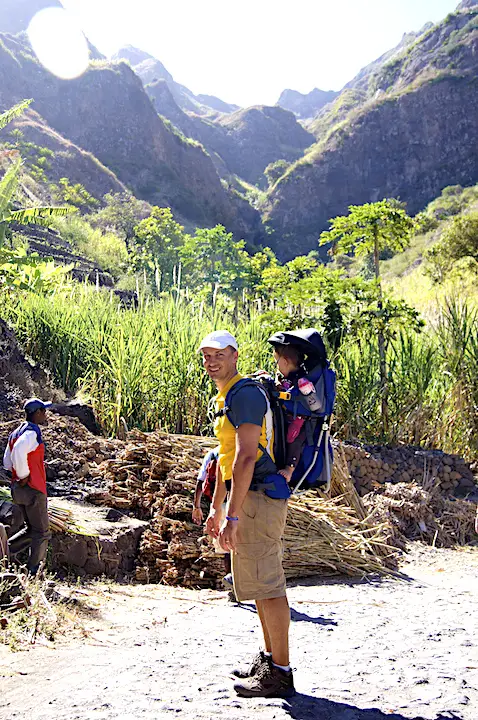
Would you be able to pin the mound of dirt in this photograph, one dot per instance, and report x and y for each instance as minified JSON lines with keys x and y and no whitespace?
{"x":20,"y":378}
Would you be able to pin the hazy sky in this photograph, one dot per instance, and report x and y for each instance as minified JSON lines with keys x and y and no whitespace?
{"x":248,"y":51}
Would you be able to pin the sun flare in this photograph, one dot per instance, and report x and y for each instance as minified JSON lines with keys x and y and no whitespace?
{"x":59,"y":43}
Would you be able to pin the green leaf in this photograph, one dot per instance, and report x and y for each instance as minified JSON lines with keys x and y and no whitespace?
{"x":8,"y":185}
{"x":38,"y":215}
{"x":14,"y":112}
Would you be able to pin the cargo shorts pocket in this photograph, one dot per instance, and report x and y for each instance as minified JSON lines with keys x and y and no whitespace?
{"x":249,"y":506}
{"x":275,"y":516}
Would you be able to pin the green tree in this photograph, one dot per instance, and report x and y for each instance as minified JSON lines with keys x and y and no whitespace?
{"x":369,"y":230}
{"x":459,"y":241}
{"x":155,"y":246}
{"x":76,"y":195}
{"x":211,"y":257}
{"x":275,"y":170}
{"x":121,"y":213}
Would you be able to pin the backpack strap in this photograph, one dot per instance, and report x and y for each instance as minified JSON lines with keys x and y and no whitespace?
{"x":226,"y":410}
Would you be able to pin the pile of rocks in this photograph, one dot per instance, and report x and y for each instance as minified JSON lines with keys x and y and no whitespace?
{"x":373,"y":465}
{"x":73,"y":456}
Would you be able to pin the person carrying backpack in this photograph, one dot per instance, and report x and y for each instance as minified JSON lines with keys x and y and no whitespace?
{"x":205,"y":485}
{"x":254,"y":525}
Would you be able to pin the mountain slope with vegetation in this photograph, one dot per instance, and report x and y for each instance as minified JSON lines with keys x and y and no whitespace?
{"x":107,"y":113}
{"x":443,"y":254}
{"x":242,"y":142}
{"x":409,"y":132}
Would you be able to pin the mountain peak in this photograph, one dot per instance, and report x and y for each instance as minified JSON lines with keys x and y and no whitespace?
{"x":15,"y":15}
{"x":305,"y":105}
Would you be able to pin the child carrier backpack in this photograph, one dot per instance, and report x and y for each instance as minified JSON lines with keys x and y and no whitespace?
{"x":314,"y":469}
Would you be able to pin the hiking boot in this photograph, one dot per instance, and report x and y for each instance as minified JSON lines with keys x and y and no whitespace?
{"x":259,"y":660}
{"x":269,"y":681}
{"x":227,"y":581}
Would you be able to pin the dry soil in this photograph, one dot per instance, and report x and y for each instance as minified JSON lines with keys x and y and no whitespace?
{"x":369,"y":650}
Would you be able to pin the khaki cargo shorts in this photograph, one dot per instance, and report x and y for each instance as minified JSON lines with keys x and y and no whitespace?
{"x":257,"y":561}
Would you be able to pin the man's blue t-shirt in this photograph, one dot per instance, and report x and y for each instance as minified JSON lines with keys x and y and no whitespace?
{"x":248,"y":405}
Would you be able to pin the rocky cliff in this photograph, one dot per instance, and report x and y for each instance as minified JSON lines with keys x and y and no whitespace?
{"x":412,"y":132}
{"x":150,"y":70}
{"x":257,"y":136}
{"x":65,"y":158}
{"x":306,"y":105}
{"x":242,"y":143}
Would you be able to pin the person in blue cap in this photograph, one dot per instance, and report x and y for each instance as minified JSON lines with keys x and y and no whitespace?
{"x":24,"y":458}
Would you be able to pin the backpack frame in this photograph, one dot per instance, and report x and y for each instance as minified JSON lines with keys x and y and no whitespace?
{"x":314,"y":468}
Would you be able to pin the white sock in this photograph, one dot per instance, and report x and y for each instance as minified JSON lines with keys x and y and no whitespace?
{"x":267,"y":654}
{"x":285,"y":668}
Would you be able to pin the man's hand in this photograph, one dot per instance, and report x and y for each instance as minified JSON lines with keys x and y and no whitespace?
{"x":197,"y":516}
{"x":228,"y":535}
{"x":23,"y":481}
{"x":212,"y":523}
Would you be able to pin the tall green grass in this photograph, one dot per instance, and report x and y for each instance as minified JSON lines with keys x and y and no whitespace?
{"x":139,"y":364}
{"x":142,"y":364}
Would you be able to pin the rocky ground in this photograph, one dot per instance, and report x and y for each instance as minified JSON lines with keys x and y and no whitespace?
{"x":368,"y":650}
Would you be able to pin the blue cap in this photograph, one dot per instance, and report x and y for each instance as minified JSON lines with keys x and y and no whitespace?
{"x":34,"y":404}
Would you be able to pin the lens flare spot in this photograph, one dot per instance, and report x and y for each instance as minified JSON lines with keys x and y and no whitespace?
{"x":59,"y":43}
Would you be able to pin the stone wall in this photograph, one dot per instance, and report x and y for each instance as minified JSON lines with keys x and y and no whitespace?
{"x":374,"y":465}
{"x":110,"y":548}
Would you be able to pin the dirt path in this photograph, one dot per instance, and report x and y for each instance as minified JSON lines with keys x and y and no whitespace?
{"x":363,"y":651}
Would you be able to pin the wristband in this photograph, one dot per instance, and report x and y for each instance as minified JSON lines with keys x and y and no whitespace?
{"x":234,"y":519}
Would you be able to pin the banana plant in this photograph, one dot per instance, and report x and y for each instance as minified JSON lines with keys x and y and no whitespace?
{"x":9,"y":184}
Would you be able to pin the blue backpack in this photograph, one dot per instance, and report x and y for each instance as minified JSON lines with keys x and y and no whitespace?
{"x":314,"y":469}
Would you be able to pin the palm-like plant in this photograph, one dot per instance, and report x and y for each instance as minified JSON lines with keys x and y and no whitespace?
{"x":9,"y":185}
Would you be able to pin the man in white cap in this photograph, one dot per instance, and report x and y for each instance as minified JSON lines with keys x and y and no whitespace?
{"x":24,"y":458}
{"x":254,"y":524}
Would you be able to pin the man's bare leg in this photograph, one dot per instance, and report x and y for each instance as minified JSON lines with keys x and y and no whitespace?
{"x":275,"y":620}
{"x":265,"y":631}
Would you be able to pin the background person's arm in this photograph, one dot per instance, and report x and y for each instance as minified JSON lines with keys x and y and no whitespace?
{"x":7,"y":459}
{"x":197,"y":515}
{"x":26,"y":443}
{"x":220,"y":492}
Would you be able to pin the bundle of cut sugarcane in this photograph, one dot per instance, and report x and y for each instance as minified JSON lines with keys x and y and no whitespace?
{"x":323,"y":535}
{"x":326,"y":537}
{"x":151,"y":467}
{"x":62,"y":520}
{"x":457,"y":523}
{"x":416,"y":513}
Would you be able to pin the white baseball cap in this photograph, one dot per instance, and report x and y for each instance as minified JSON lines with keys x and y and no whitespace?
{"x":219,"y":340}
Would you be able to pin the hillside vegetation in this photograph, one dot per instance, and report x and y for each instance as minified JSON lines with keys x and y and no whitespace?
{"x":404,"y":130}
{"x":418,"y":275}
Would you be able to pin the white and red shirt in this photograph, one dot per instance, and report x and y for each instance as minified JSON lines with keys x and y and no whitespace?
{"x":25,"y":455}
